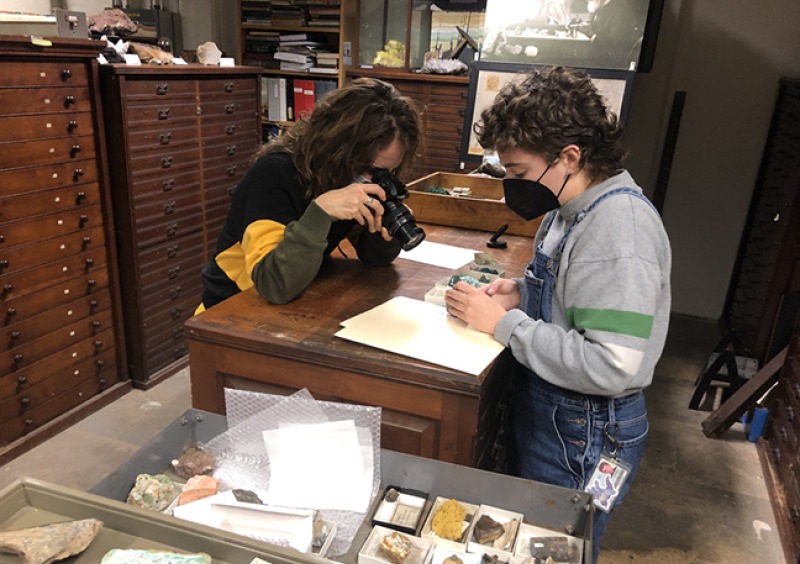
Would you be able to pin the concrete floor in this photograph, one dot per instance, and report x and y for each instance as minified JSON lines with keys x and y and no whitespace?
{"x":696,"y":500}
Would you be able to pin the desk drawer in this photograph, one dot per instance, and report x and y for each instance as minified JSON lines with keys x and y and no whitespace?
{"x":172,"y":352}
{"x":31,"y":280}
{"x":225,"y":170}
{"x":182,"y":269}
{"x":150,"y":115}
{"x":22,"y":128}
{"x":79,"y":196}
{"x":173,"y":294}
{"x":56,"y":250}
{"x":163,"y":184}
{"x":166,"y":89}
{"x":66,"y":337}
{"x":28,"y":330}
{"x":233,"y":87}
{"x":41,"y":73}
{"x":171,"y":229}
{"x":77,"y":221}
{"x":164,"y":160}
{"x":170,"y":208}
{"x":162,"y":138}
{"x":216,"y":107}
{"x":62,"y":150}
{"x":227,"y":127}
{"x":23,"y":101}
{"x":170,"y":315}
{"x":29,"y":180}
{"x":232,"y":151}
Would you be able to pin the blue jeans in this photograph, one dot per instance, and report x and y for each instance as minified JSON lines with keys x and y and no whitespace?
{"x":559,"y":436}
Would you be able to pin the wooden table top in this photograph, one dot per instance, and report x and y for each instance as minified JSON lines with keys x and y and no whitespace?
{"x":304,"y":329}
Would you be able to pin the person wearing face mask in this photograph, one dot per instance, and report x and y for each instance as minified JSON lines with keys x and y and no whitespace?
{"x":309,"y":189}
{"x":587,"y":322}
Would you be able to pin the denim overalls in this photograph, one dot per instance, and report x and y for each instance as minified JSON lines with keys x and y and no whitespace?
{"x":559,"y":434}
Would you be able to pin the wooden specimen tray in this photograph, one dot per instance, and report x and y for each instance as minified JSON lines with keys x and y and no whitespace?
{"x":483,"y":209}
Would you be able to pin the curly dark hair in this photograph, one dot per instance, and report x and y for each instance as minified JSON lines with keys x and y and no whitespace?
{"x":553,"y":107}
{"x":347,"y":129}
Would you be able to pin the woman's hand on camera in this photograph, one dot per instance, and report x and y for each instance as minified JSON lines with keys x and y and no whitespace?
{"x":361,"y":202}
{"x":474,"y":306}
{"x":505,"y":292}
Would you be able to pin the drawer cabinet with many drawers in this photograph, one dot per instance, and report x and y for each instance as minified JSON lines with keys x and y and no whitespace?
{"x":61,"y":338}
{"x":180,"y":140}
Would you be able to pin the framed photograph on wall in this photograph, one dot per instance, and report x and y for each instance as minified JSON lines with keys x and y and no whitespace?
{"x":486,"y":80}
{"x":608,"y":34}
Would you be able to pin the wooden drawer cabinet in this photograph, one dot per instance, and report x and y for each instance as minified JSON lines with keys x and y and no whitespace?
{"x":186,"y":138}
{"x":61,"y":337}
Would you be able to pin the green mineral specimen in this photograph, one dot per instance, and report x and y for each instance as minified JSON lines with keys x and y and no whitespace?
{"x":152,"y":492}
{"x":134,"y":556}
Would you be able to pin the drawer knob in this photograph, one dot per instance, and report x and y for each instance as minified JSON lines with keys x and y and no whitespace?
{"x":91,"y":283}
{"x":100,"y":363}
{"x":69,"y":100}
{"x":169,"y":208}
{"x":176,"y":312}
{"x":95,"y":324}
{"x":168,"y":184}
{"x":83,"y":220}
{"x":22,"y":380}
{"x":231,"y":190}
{"x":162,"y":88}
{"x":231,"y":150}
{"x":177,"y":333}
{"x":18,"y":358}
{"x":86,"y":241}
{"x":231,"y":170}
{"x":2,"y":238}
{"x":75,"y":150}
{"x":89,"y":263}
{"x":3,"y":264}
{"x":93,"y":304}
{"x":11,"y":312}
{"x":25,"y":402}
{"x":229,"y":87}
{"x":80,"y":196}
{"x":172,"y":252}
{"x":175,"y":293}
{"x":166,"y":138}
{"x":66,"y":74}
{"x":172,"y":230}
{"x":72,"y":125}
{"x":230,"y":108}
{"x":29,"y":422}
{"x":173,"y":272}
{"x":166,"y":162}
{"x":102,"y":381}
{"x":163,"y":113}
{"x":230,"y":130}
{"x":98,"y":344}
{"x":15,"y":335}
{"x":7,"y":289}
{"x":77,"y":174}
{"x":180,"y":351}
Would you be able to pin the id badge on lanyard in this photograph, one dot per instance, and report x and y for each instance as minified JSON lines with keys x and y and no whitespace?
{"x":608,"y":477}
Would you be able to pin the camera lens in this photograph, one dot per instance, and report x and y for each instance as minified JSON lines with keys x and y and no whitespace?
{"x":401,"y":224}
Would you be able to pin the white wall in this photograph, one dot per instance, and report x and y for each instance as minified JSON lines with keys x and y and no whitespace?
{"x":727,"y":55}
{"x":32,"y":6}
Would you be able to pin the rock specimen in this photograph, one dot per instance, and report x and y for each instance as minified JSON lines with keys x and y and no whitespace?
{"x":152,"y":492}
{"x":487,"y":530}
{"x":246,"y":496}
{"x":395,"y":547}
{"x":134,"y":556}
{"x":208,"y":53}
{"x":448,"y":521}
{"x":198,"y":487}
{"x":49,"y":543}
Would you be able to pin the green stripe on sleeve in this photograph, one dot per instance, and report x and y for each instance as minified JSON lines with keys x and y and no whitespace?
{"x":612,"y":320}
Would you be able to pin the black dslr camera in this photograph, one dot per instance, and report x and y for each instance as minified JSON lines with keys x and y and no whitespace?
{"x":397,"y":218}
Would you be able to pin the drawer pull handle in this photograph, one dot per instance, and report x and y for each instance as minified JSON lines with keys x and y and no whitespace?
{"x":231,"y":170}
{"x":231,"y":150}
{"x":18,"y":358}
{"x":68,"y":101}
{"x":180,"y":351}
{"x":168,"y":184}
{"x":162,"y":88}
{"x":22,"y":380}
{"x":230,"y":130}
{"x":231,"y":190}
{"x":72,"y":125}
{"x":166,"y":138}
{"x":2,"y":238}
{"x":91,"y":283}
{"x":169,"y":208}
{"x":89,"y":263}
{"x":80,"y":196}
{"x":166,"y":162}
{"x":25,"y":402}
{"x":7,"y":289}
{"x":66,"y":74}
{"x":172,"y":252}
{"x":177,"y":333}
{"x":3,"y":264}
{"x":86,"y":241}
{"x":172,"y":230}
{"x":173,"y":272}
{"x":175,"y":293}
{"x":100,"y":363}
{"x":176,"y":312}
{"x":77,"y":174}
{"x":92,"y":304}
{"x":83,"y":220}
{"x":163,"y":113}
{"x":229,"y":87}
{"x":15,"y":335}
{"x":75,"y":150}
{"x":95,"y":324}
{"x":461,"y":112}
{"x":29,"y":422}
{"x":230,"y":108}
{"x":11,"y":312}
{"x":102,"y":381}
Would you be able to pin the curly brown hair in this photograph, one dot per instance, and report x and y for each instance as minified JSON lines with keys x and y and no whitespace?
{"x":553,"y":107}
{"x":347,"y":129}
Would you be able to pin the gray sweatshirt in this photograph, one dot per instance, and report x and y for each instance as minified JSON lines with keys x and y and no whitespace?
{"x":611,"y":301}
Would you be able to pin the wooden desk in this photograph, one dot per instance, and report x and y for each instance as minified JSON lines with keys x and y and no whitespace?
{"x":428,"y":410}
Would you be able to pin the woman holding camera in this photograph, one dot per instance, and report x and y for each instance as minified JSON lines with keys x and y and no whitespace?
{"x":587,"y":322}
{"x":309,"y":189}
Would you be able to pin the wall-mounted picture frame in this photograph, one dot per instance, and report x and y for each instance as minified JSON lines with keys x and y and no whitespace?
{"x":486,"y":80}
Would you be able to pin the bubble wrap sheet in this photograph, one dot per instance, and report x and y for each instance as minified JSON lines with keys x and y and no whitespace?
{"x":242,"y":460}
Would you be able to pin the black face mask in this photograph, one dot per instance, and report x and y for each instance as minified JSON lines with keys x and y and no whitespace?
{"x":530,"y":198}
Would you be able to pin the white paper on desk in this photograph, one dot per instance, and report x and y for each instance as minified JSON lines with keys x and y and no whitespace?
{"x":317,"y":466}
{"x":439,"y":254}
{"x":424,"y":331}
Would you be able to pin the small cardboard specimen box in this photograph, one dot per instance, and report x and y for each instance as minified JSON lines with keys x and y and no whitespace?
{"x":483,"y":209}
{"x":388,"y":546}
{"x":541,"y":543}
{"x":458,"y":545}
{"x":502,"y":545}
